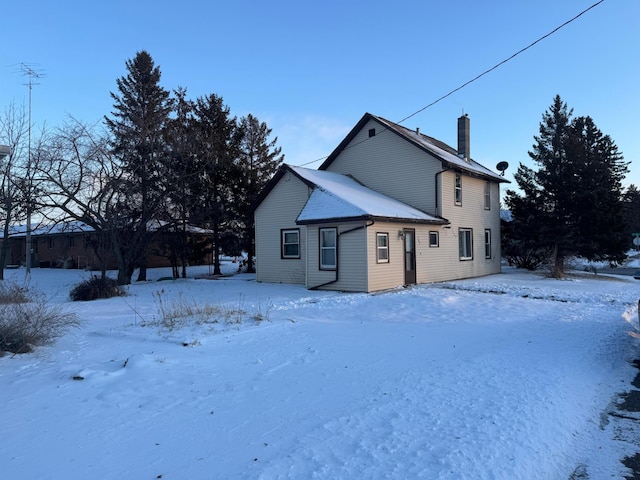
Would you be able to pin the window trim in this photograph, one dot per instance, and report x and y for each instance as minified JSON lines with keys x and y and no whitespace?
{"x":457,"y":188}
{"x":462,"y":233}
{"x":322,"y":248}
{"x":487,"y":243}
{"x":487,"y":195}
{"x":384,"y":248}
{"x":436,"y":235}
{"x":283,"y":232}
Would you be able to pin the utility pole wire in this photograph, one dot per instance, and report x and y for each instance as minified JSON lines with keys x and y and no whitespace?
{"x":503,"y":61}
{"x":486,"y":71}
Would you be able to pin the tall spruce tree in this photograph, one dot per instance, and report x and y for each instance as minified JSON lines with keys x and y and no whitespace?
{"x":217,"y":142}
{"x":137,"y":123}
{"x":570,"y":205}
{"x":259,"y":159}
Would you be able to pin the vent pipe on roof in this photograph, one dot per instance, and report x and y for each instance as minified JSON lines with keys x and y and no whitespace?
{"x":464,"y":146}
{"x":418,"y":130}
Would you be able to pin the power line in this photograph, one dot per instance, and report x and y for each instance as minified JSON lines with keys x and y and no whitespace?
{"x":485,"y":72}
{"x":502,"y":62}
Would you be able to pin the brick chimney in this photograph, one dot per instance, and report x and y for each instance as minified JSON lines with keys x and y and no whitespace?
{"x":464,"y":147}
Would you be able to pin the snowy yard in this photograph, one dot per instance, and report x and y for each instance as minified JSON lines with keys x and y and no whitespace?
{"x":503,"y":377}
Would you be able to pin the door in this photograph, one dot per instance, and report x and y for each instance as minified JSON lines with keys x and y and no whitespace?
{"x":409,"y":256}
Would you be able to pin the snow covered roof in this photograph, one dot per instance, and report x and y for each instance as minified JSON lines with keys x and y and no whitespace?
{"x":340,"y":197}
{"x":442,"y":151}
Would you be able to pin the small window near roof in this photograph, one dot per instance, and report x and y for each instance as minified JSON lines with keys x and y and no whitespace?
{"x":372,"y":132}
{"x":382,"y":247}
{"x":457,"y":189}
{"x":434,"y":240}
{"x":487,"y":195}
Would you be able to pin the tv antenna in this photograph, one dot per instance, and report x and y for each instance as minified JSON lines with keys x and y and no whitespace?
{"x":34,"y":75}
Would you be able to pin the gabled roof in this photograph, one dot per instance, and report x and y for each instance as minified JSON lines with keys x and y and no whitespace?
{"x":440,"y":150}
{"x":337,"y":197}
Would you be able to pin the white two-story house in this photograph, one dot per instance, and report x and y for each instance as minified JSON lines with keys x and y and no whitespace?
{"x":389,"y":207}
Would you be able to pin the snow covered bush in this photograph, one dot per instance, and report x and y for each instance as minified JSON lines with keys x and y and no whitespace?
{"x":28,"y":323}
{"x":94,"y":288}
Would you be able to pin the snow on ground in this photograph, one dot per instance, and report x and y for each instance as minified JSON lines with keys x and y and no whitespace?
{"x":501,"y":377}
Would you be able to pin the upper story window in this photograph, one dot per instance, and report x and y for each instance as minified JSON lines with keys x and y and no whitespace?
{"x":290,"y":243}
{"x":328,"y":249}
{"x":465,"y":240}
{"x":382,"y":247}
{"x":51,"y":243}
{"x":457,"y":189}
{"x":487,"y":195}
{"x":72,"y":241}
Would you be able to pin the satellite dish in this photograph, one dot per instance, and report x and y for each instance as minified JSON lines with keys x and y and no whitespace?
{"x":502,"y":166}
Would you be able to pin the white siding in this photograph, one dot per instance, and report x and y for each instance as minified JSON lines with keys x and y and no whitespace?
{"x":351,"y":273}
{"x":390,"y":165}
{"x":278,"y":211}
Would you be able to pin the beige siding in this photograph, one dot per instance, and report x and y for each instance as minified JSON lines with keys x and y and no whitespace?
{"x":351,"y":273}
{"x":383,"y":276}
{"x":391,"y":165}
{"x":471,"y":214}
{"x":278,"y":211}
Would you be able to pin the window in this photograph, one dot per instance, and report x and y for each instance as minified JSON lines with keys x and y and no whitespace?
{"x":382,"y":247}
{"x":434,"y":239}
{"x":51,"y":244}
{"x":72,"y":241}
{"x":328,"y":250}
{"x":290,"y":240}
{"x":465,"y":237}
{"x":458,"y":189}
{"x":372,"y":132}
{"x":487,"y":243}
{"x":487,"y":195}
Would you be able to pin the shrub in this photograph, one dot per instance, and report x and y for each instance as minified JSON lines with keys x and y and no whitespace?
{"x":24,"y":325}
{"x":94,"y":288}
{"x":12,"y":293}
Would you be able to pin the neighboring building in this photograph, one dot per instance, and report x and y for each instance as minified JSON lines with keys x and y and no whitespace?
{"x":76,"y":245}
{"x":389,"y":207}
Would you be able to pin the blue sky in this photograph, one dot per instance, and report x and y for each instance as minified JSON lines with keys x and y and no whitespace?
{"x":310,"y":70}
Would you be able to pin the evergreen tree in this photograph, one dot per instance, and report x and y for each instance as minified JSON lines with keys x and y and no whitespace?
{"x":631,"y":212}
{"x":141,"y":112}
{"x":217,"y":141}
{"x":571,"y":204}
{"x":259,"y":159}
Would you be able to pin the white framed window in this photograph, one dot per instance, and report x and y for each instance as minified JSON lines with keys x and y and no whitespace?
{"x":487,"y":243}
{"x":487,"y":195}
{"x":290,"y":242}
{"x":328,"y":248}
{"x":434,"y":239}
{"x":457,"y":189}
{"x":382,"y":247}
{"x":465,"y":239}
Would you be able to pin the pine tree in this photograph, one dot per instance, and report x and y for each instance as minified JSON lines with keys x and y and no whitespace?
{"x":259,"y":159}
{"x":217,"y":141}
{"x":571,"y":204}
{"x":141,"y":112}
